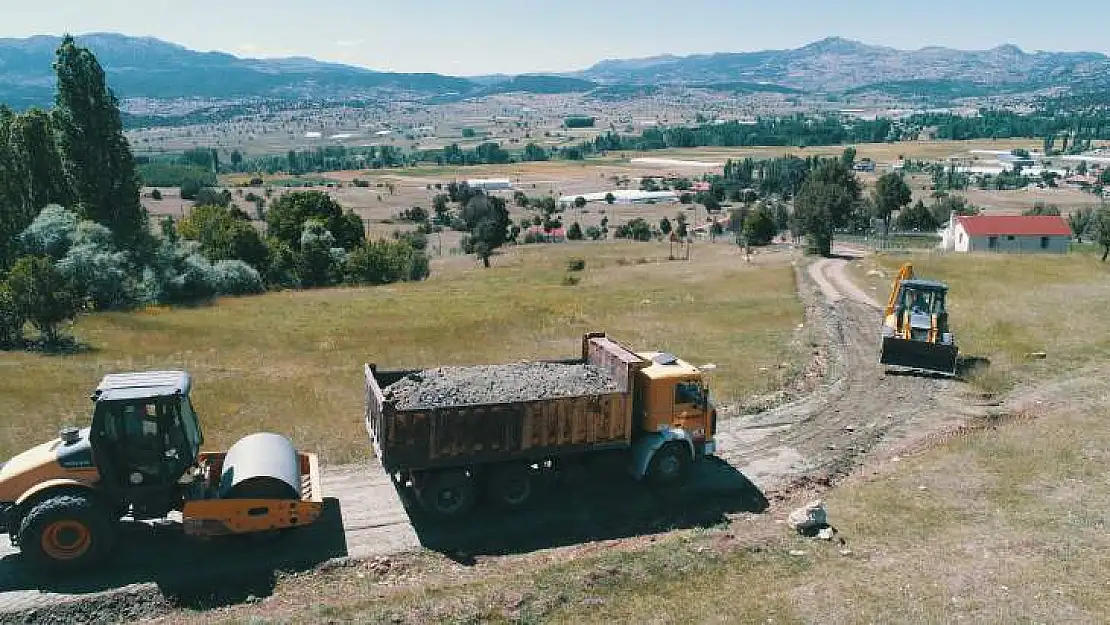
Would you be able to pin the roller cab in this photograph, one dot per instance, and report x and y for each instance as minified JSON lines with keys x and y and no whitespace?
{"x":60,"y":502}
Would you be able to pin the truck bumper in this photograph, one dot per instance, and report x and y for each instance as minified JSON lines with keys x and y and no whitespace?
{"x":709,"y":447}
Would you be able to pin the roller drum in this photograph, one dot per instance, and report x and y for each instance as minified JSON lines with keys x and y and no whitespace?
{"x":261,"y":466}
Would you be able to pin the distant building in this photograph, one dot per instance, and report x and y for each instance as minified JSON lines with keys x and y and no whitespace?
{"x":864,"y":165}
{"x":555,"y":235}
{"x":1007,"y":233}
{"x":622,"y":196}
{"x":490,"y":184}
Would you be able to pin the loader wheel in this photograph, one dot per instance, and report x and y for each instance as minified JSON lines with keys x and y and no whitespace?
{"x":669,"y":464}
{"x":447,"y":494}
{"x":511,"y":486}
{"x":66,"y":533}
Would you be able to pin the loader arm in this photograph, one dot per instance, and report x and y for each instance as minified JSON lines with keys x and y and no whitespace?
{"x":905,"y":273}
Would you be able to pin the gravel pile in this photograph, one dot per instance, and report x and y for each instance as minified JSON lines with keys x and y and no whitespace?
{"x":486,"y":384}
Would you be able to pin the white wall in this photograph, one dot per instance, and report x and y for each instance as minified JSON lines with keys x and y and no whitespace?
{"x":1019,"y":244}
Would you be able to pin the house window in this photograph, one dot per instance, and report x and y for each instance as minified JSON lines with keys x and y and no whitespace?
{"x":1044,"y":243}
{"x":1010,"y":238}
{"x":992,"y":242}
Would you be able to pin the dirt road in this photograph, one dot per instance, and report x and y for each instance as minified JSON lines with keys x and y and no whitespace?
{"x":815,"y":438}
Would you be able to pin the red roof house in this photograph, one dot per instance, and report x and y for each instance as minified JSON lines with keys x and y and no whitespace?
{"x":1008,"y":233}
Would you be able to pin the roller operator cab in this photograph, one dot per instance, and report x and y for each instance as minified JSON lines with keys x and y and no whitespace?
{"x":141,"y":457}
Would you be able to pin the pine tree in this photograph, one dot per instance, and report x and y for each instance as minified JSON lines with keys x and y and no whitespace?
{"x":96,"y":156}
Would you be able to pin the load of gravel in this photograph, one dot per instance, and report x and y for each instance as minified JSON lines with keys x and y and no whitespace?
{"x":488,"y":384}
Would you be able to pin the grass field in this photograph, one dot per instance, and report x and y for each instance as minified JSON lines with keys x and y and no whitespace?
{"x":1005,"y":306}
{"x":292,"y":362}
{"x":1001,"y":526}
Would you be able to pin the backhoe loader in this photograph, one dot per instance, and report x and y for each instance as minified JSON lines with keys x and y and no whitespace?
{"x":916,"y":334}
{"x":141,"y":458}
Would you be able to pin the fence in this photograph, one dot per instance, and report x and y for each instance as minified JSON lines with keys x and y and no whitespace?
{"x":897,"y":241}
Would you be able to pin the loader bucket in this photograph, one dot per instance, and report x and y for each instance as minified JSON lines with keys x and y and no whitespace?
{"x":919,"y":355}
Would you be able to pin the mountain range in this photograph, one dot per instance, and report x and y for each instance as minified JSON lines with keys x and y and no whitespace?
{"x":143,"y":67}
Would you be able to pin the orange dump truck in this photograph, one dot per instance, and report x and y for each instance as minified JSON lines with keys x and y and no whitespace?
{"x":449,"y":436}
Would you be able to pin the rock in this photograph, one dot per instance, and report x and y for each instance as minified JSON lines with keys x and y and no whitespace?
{"x":797,"y":552}
{"x":812,"y":516}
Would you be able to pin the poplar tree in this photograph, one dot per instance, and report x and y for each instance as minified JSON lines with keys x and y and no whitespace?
{"x":96,"y":157}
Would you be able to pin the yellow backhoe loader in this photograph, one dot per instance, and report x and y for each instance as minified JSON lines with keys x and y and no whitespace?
{"x":60,"y":502}
{"x":916,"y":334}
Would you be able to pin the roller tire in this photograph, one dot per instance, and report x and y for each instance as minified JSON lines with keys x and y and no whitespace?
{"x":67,"y":533}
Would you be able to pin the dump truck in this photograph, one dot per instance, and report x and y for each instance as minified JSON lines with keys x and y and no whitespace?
{"x":916,"y":333}
{"x":140,"y":458}
{"x":649,"y":412}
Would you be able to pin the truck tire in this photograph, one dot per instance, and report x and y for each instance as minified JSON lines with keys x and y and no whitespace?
{"x":447,"y":494}
{"x":66,"y":533}
{"x":669,"y":464}
{"x":511,"y":486}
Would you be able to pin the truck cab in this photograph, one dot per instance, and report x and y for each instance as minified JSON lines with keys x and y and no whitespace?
{"x":675,"y":418}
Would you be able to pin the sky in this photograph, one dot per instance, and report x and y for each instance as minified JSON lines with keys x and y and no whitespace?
{"x":474,"y":37}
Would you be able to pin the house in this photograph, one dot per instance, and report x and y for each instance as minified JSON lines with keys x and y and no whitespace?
{"x":489,"y":184}
{"x":1007,"y":233}
{"x":555,"y":235}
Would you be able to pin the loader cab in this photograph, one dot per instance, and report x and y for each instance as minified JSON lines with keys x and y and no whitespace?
{"x":675,"y":395}
{"x":145,"y":435}
{"x":918,"y":303}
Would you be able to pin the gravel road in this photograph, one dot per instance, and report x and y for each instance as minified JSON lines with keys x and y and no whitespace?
{"x":856,"y":409}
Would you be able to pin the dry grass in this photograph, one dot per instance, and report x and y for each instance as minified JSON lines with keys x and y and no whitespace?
{"x":291,"y":362}
{"x":1003,"y":526}
{"x":1004,"y":307}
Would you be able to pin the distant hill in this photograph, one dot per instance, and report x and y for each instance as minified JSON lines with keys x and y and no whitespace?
{"x":151,"y":68}
{"x":837,"y":64}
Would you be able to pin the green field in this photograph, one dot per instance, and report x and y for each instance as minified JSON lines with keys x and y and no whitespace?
{"x":291,"y":362}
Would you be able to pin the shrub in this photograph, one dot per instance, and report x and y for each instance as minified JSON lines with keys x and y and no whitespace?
{"x":571,"y":280}
{"x":156,"y":194}
{"x":593,"y":232}
{"x":235,"y":277}
{"x":11,"y":318}
{"x":101,"y":274}
{"x":317,"y":265}
{"x":576,"y":264}
{"x":385,"y":262}
{"x":43,"y":295}
{"x":51,"y":233}
{"x":574,"y":233}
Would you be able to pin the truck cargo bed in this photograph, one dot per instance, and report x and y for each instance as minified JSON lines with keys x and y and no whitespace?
{"x":496,"y":431}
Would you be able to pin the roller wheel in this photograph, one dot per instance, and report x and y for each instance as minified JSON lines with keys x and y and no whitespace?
{"x":66,"y":533}
{"x":669,"y":465}
{"x":511,"y":486}
{"x":448,"y":494}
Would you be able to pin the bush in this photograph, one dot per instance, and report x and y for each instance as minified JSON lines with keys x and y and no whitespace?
{"x":156,"y":194}
{"x":569,"y":280}
{"x":316,"y":264}
{"x":576,"y":264}
{"x":101,"y":273}
{"x":51,"y":233}
{"x":385,"y":262}
{"x":287,"y":216}
{"x":235,"y":277}
{"x":190,"y":188}
{"x":43,"y":295}
{"x":574,"y":233}
{"x":593,"y":232}
{"x":11,"y":319}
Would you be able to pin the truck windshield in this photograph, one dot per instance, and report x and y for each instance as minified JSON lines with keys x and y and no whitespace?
{"x":689,"y":393}
{"x":192,"y":427}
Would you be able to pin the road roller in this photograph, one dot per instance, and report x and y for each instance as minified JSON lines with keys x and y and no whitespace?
{"x":140,"y":459}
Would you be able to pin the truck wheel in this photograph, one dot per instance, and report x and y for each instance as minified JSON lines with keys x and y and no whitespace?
{"x":669,"y":464}
{"x":511,"y":486}
{"x":447,"y":494}
{"x":66,"y":533}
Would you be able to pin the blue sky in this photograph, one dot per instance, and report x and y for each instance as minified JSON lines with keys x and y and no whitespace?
{"x":488,"y":36}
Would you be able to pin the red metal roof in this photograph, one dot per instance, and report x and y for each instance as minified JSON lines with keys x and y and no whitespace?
{"x":1015,"y":225}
